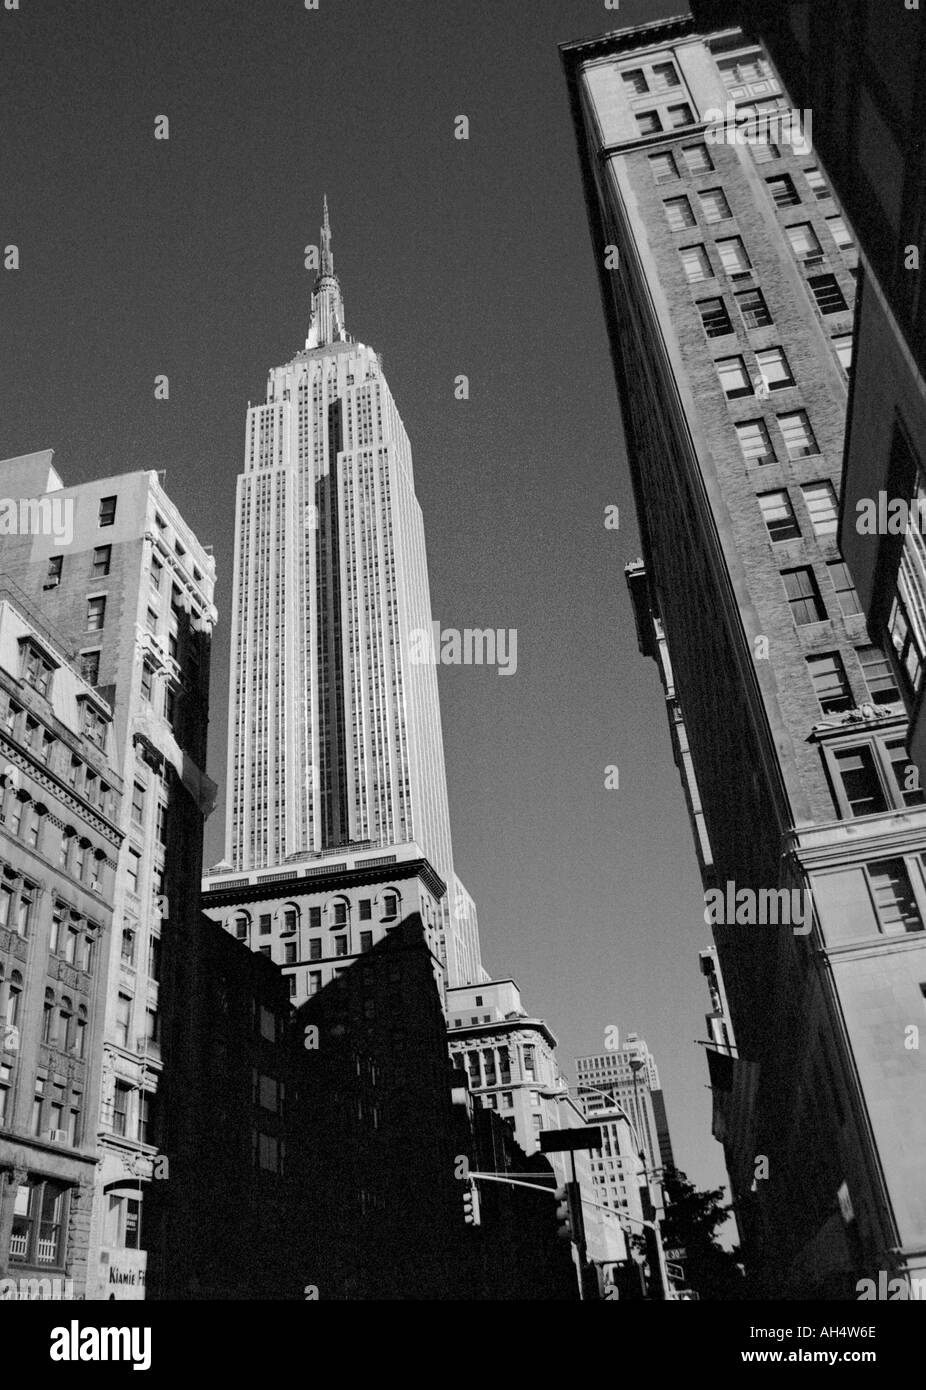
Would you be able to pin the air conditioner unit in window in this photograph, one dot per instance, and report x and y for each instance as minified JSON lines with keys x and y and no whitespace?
{"x":58,"y":1136}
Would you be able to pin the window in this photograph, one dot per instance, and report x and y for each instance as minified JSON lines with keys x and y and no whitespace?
{"x":80,"y":1033}
{"x":663,"y":166}
{"x":15,"y":999}
{"x":64,"y":1033}
{"x":53,"y":575}
{"x":22,"y":920}
{"x":817,"y":183}
{"x":733,"y":377}
{"x":753,"y":308}
{"x":648,"y":123}
{"x":96,"y":614}
{"x":830,"y":682}
{"x":315,"y":917}
{"x":529,"y":1061}
{"x":714,"y":205}
{"x":315,"y":981}
{"x":390,"y":905}
{"x":366,"y":909}
{"x":37,"y":672}
{"x":290,"y":919}
{"x":695,"y":263}
{"x":680,"y":115}
{"x":90,"y":667}
{"x":123,"y":1019}
{"x":679,"y":214}
{"x":764,"y":151}
{"x":733,"y":256}
{"x":93,"y":725}
{"x":894,"y":899}
{"x":107,"y":511}
{"x":697,"y":159}
{"x":820,"y":500}
{"x":102,"y":556}
{"x":242,"y":923}
{"x":826,"y":291}
{"x":138,"y":804}
{"x":635,"y":81}
{"x":155,"y":952}
{"x":289,"y":953}
{"x":315,"y":948}
{"x":840,"y":232}
{"x":366,"y":941}
{"x":842,"y":345}
{"x":778,"y":515}
{"x":128,"y":946}
{"x":774,"y":369}
{"x":804,"y":241}
{"x":151,"y":621}
{"x":147,"y":673}
{"x":783,"y":192}
{"x":133,"y":869}
{"x":879,"y":675}
{"x":157,"y":569}
{"x":39,"y":1223}
{"x":905,"y":773}
{"x":754,"y":441}
{"x":845,"y":589}
{"x":268,"y":1024}
{"x":714,"y":318}
{"x":48,"y":1016}
{"x":264,"y":922}
{"x":799,"y":438}
{"x":121,"y":1108}
{"x":663,"y":76}
{"x":268,"y":1153}
{"x":803,"y":596}
{"x":340,"y":945}
{"x":152,"y":1026}
{"x":905,"y":641}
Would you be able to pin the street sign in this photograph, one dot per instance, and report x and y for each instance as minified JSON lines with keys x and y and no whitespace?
{"x":554,"y":1141}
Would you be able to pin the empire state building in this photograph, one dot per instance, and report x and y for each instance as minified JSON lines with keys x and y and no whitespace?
{"x":334,"y":732}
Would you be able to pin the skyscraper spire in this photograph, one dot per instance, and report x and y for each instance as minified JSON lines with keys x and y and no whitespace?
{"x":326,"y":324}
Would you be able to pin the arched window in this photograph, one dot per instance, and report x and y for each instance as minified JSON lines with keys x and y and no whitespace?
{"x":67,"y":1013}
{"x":242,"y":925}
{"x":80,"y":1035}
{"x":16,"y":991}
{"x":390,"y":904}
{"x":290,"y":918}
{"x":340,"y":909}
{"x":48,"y":1015}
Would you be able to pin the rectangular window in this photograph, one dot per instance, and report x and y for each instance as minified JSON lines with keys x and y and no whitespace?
{"x":264,"y":923}
{"x":157,"y":569}
{"x":820,"y":500}
{"x":36,"y":670}
{"x":366,"y":909}
{"x":663,"y":166}
{"x":289,"y":953}
{"x":799,"y":438}
{"x":879,"y":675}
{"x":840,"y":232}
{"x":753,"y":308}
{"x":733,"y":256}
{"x":315,"y":948}
{"x":905,"y":773}
{"x":755,"y":441}
{"x":121,"y":1108}
{"x":340,"y":945}
{"x":315,"y":981}
{"x":96,"y":614}
{"x":155,"y":949}
{"x":695,"y":263}
{"x":102,"y":556}
{"x":648,"y":123}
{"x":804,"y":241}
{"x":714,"y":205}
{"x":151,"y":621}
{"x":90,"y":667}
{"x":782,"y":189}
{"x":733,"y":377}
{"x":366,"y":941}
{"x":774,"y":369}
{"x":679,"y":214}
{"x":147,"y":674}
{"x":845,"y":589}
{"x":107,"y":511}
{"x":803,"y":596}
{"x":697,"y":159}
{"x":764,"y":151}
{"x":826,"y":292}
{"x":138,"y":804}
{"x":315,"y":917}
{"x":123,"y":1019}
{"x":817,"y":183}
{"x":680,"y":116}
{"x":830,"y":682}
{"x":715,"y":319}
{"x":778,"y":515}
{"x":635,"y":82}
{"x":53,"y":575}
{"x":663,"y":76}
{"x":39,"y":1223}
{"x":133,"y":869}
{"x":894,"y":899}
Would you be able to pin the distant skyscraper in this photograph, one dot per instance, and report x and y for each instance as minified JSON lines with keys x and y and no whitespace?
{"x":629,"y":1074}
{"x":334,"y":734}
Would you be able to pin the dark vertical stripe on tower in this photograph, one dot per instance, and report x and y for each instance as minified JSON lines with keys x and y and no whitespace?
{"x":332,"y":733}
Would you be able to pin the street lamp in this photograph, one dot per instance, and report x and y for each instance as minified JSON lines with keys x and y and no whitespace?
{"x":563,"y":1093}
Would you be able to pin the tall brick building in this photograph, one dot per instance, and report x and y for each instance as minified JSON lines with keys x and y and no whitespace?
{"x":727,"y":275}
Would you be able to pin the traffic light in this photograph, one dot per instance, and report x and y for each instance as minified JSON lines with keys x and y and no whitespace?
{"x":471,"y":1204}
{"x":565,"y":1219}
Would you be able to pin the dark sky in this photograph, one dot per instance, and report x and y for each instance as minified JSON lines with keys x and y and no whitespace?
{"x":184,"y":257}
